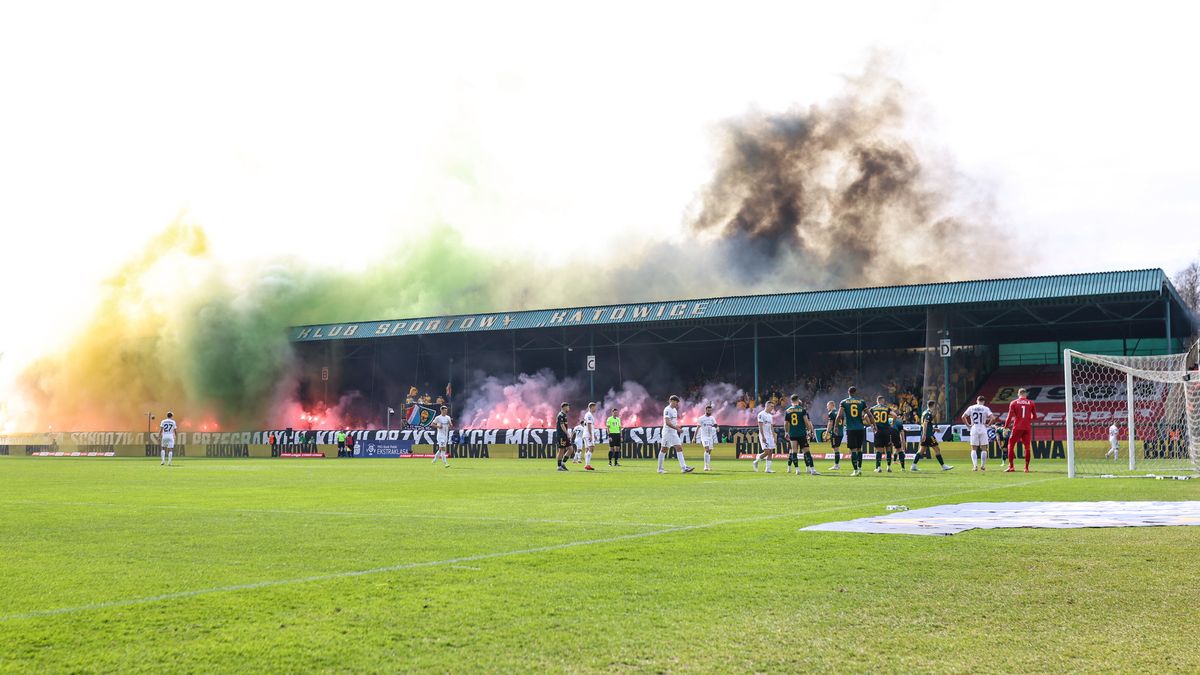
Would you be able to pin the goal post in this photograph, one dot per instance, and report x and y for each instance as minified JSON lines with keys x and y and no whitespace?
{"x":1151,"y":403}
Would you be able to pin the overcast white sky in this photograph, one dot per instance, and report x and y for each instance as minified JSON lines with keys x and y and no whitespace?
{"x":301,"y":128}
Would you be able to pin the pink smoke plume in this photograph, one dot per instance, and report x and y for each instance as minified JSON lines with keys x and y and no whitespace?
{"x":291,"y":413}
{"x":533,"y":400}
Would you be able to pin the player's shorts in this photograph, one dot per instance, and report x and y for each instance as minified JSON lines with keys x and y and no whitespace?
{"x":835,"y":440}
{"x":1022,"y":436}
{"x":443,"y":442}
{"x":341,"y":445}
{"x":168,"y":442}
{"x":898,"y":439}
{"x":979,"y":436}
{"x":883,"y":437}
{"x":929,"y":441}
{"x":855,"y":438}
{"x":670,"y":438}
{"x":707,"y":444}
{"x":1114,"y":445}
{"x":563,"y":441}
{"x":801,"y":442}
{"x":614,"y":440}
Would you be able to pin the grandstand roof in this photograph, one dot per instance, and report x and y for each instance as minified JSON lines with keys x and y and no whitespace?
{"x":987,"y":291}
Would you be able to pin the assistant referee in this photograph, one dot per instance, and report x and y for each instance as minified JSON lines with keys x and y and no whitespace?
{"x":614,"y":438}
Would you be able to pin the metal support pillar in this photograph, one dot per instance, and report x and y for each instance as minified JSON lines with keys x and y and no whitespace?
{"x":756,"y":393}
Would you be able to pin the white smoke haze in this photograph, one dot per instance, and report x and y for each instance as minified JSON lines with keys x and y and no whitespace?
{"x":533,"y":400}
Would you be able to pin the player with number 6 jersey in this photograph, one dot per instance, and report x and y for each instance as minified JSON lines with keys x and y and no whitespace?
{"x":852,"y":414}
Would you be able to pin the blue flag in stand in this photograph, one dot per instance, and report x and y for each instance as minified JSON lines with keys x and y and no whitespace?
{"x":420,"y":415}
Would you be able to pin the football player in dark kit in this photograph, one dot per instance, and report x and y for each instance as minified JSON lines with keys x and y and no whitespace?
{"x":799,"y":429}
{"x":834,"y":432}
{"x":853,"y":413}
{"x":881,"y":419}
{"x":929,"y":439}
{"x":899,"y":437}
{"x":562,"y":433}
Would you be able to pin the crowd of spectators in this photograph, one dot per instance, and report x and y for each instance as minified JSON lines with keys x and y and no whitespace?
{"x":894,"y":374}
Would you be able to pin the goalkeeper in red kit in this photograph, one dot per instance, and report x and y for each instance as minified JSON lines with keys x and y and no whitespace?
{"x":1021,"y":413}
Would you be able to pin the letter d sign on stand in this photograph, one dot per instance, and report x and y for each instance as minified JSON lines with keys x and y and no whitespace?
{"x":944,"y":349}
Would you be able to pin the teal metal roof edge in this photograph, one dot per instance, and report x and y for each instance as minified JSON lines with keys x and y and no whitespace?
{"x":1030,"y":288}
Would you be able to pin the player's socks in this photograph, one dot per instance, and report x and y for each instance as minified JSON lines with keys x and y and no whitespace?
{"x":707,"y":459}
{"x":808,"y":459}
{"x":878,"y":459}
{"x":837,"y":458}
{"x":587,"y":458}
{"x":662,"y":456}
{"x":679,"y":456}
{"x":162,"y":456}
{"x":974,"y":459}
{"x":171,"y":455}
{"x":768,"y":469}
{"x":941,"y":461}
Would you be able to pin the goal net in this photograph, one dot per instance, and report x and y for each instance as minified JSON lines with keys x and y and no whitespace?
{"x":1132,"y":415}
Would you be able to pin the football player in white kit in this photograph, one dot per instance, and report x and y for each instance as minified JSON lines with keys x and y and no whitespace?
{"x":442,"y":423}
{"x":578,"y":435}
{"x":1114,"y":444}
{"x":167,"y":449}
{"x":766,"y":435}
{"x":706,"y":434}
{"x":589,"y":435}
{"x":671,"y":438}
{"x":978,"y":416}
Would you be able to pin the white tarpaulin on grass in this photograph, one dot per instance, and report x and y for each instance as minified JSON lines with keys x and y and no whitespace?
{"x":955,"y":518}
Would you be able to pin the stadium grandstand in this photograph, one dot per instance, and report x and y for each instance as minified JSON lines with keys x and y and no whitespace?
{"x":942,"y":343}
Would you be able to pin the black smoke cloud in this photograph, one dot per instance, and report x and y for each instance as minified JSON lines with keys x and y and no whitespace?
{"x":836,"y":195}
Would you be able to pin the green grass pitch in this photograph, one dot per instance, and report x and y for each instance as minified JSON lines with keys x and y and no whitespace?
{"x":120,"y":565}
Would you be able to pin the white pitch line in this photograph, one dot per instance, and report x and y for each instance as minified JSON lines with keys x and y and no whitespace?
{"x":470,"y":558}
{"x":354,"y":514}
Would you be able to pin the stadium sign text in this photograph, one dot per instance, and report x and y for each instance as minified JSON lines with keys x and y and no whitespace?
{"x":583,"y":316}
